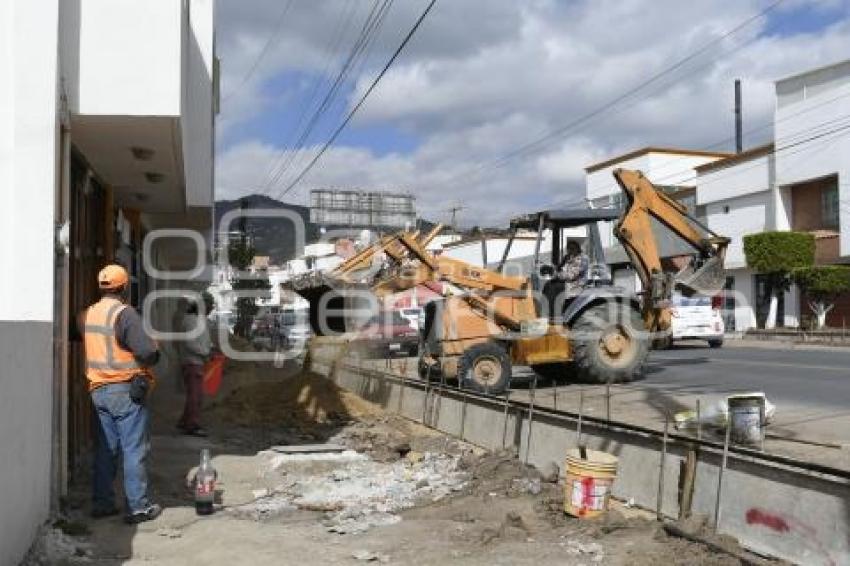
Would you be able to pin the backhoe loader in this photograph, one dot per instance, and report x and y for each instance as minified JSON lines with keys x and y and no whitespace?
{"x":491,"y":319}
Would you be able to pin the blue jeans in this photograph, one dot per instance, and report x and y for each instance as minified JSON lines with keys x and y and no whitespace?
{"x":122,"y":428}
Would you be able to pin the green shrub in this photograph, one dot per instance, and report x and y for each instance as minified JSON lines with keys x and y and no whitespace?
{"x":823,"y":281}
{"x":779,"y":252}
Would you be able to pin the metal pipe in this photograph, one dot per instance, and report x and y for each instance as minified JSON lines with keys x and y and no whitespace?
{"x":540,"y":224}
{"x":530,"y":418}
{"x":658,"y":509}
{"x":580,"y":413}
{"x":717,"y":508}
{"x":699,"y":421}
{"x":505,"y":417}
{"x":739,"y":130}
{"x":401,"y":393}
{"x":427,"y":391}
{"x":462,"y":406}
{"x":507,"y":250}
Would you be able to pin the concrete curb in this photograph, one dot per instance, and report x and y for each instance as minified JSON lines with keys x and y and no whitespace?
{"x":770,"y":508}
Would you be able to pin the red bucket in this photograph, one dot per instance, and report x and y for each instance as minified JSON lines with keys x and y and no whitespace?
{"x":213,"y":372}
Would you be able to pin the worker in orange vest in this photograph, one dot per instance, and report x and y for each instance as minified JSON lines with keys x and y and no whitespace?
{"x":119,"y":357}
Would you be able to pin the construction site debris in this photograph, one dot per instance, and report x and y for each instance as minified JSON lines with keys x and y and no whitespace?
{"x":369,"y":556}
{"x":717,"y":414}
{"x":356,"y":492}
{"x":307,"y":448}
{"x":52,"y":546}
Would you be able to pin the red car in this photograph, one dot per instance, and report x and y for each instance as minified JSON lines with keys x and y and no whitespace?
{"x":388,"y":334}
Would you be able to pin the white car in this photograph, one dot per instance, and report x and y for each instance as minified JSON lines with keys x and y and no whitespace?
{"x":697,"y":318}
{"x":295,"y":328}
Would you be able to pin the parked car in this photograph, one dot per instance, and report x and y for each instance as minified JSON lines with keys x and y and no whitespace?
{"x":697,"y":318}
{"x":295,"y":328}
{"x":387,"y":334}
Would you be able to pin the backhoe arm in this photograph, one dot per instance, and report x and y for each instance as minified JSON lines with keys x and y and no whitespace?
{"x":634,"y":231}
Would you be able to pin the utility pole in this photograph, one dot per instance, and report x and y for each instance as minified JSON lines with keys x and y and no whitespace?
{"x":739,"y":134}
{"x":454,"y":210}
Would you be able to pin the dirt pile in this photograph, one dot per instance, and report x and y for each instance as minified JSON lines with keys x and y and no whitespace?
{"x":260,"y":395}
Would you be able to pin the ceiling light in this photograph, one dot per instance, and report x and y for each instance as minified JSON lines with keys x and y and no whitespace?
{"x":142,"y":153}
{"x":154,"y":177}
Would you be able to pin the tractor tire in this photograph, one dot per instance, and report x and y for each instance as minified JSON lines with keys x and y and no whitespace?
{"x":554,"y":372}
{"x":485,"y":368}
{"x":610,"y":344}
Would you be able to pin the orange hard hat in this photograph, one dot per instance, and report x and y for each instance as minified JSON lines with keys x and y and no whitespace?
{"x":112,"y":276}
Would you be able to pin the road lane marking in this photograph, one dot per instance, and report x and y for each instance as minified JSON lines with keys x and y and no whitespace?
{"x":754,"y":363}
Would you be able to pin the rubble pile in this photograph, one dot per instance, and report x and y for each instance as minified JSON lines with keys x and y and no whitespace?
{"x":355,"y":491}
{"x":52,"y":546}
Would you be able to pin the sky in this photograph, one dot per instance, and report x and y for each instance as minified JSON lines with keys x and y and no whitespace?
{"x":457,"y":119}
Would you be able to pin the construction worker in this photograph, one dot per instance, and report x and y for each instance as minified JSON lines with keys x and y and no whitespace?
{"x":573,"y":267}
{"x":119,"y":357}
{"x":194,"y":354}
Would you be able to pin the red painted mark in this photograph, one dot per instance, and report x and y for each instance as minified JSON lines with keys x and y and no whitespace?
{"x":586,"y":495}
{"x":773,"y":522}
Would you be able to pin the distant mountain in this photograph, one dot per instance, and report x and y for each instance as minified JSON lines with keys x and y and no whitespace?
{"x":274,"y":237}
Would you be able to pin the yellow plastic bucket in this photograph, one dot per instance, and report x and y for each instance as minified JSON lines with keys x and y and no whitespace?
{"x":588,"y":482}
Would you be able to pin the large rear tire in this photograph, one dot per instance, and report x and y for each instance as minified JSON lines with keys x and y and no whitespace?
{"x":485,"y":368}
{"x":610,"y":344}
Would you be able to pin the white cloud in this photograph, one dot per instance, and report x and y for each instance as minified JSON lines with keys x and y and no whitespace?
{"x":482,"y":78}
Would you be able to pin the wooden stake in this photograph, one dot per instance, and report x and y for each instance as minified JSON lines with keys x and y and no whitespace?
{"x":688,"y":475}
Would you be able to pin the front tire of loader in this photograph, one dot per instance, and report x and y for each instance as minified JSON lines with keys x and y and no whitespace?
{"x":610,"y":344}
{"x":485,"y":368}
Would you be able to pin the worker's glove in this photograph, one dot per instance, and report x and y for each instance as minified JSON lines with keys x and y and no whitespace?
{"x":139,"y":386}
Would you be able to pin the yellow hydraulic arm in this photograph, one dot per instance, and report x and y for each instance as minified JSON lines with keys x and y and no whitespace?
{"x":634,"y":231}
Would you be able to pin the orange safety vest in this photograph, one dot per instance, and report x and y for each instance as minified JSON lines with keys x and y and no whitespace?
{"x":106,"y":360}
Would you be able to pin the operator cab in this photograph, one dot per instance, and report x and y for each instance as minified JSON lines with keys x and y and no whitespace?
{"x":569,"y":267}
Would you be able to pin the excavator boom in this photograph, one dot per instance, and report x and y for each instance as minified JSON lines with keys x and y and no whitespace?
{"x":705,"y":276}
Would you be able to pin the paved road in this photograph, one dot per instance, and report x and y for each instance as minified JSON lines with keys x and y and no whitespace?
{"x":810,"y":388}
{"x":815,"y":378}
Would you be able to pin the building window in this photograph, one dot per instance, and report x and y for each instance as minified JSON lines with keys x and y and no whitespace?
{"x":829,"y":206}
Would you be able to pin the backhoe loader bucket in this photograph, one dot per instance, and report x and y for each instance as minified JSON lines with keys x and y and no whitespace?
{"x":708,"y":280}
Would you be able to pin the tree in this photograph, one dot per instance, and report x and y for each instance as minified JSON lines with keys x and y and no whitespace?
{"x":777,"y":255}
{"x":822,"y":285}
{"x":241,"y":253}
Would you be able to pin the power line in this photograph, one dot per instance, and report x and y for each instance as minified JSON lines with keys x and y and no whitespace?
{"x":370,"y":26}
{"x":363,"y":98}
{"x":554,"y":134}
{"x":324,"y":77}
{"x":277,"y":27}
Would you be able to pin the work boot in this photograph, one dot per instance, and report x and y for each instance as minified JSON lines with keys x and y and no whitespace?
{"x":149,"y":513}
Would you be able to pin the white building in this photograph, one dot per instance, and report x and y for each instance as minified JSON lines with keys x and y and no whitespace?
{"x":796,"y":183}
{"x":673,"y":170}
{"x":106,"y":134}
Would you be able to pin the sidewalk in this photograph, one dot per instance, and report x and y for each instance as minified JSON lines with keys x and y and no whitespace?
{"x":732,"y":342}
{"x":470,"y":508}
